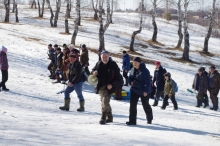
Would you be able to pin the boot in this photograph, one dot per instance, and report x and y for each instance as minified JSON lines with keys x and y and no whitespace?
{"x":81,"y":108}
{"x":66,"y":104}
{"x":155,"y":102}
{"x":103,"y":119}
{"x":198,"y":103}
{"x":110,"y":117}
{"x":126,"y":82}
{"x":58,"y":79}
{"x":50,"y":74}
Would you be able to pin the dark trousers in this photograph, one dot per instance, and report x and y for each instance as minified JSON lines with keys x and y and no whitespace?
{"x":125,"y":75}
{"x":133,"y":107}
{"x":206,"y":99}
{"x":50,"y":68}
{"x":4,"y":78}
{"x":214,"y":97}
{"x":87,"y":70}
{"x":173,"y":99}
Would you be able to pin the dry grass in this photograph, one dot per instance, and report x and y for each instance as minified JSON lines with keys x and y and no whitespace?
{"x":166,"y":52}
{"x":150,"y":42}
{"x":63,"y":33}
{"x":178,"y":49}
{"x":208,"y":54}
{"x":181,"y":60}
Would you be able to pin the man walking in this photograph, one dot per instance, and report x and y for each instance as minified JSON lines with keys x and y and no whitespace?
{"x":84,"y":59}
{"x":109,"y":78}
{"x":126,"y":66}
{"x":4,"y":68}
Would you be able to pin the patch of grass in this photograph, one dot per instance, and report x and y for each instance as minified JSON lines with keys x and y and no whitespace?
{"x":142,"y":45}
{"x":178,"y":49}
{"x":166,"y":52}
{"x":206,"y":54}
{"x":181,"y":60}
{"x":63,"y":33}
{"x":150,"y":42}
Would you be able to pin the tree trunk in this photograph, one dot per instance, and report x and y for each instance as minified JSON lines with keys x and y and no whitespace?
{"x":111,"y":11}
{"x":95,"y":10}
{"x":212,"y":20}
{"x":76,"y":26}
{"x":7,"y":10}
{"x":68,"y":9}
{"x":16,"y":12}
{"x":154,"y":38}
{"x":140,"y":29}
{"x":41,"y":10}
{"x":58,"y":5}
{"x":186,"y":34}
{"x":180,"y":25}
{"x":79,"y":14}
{"x":33,"y":4}
{"x":66,"y":25}
{"x":51,"y":12}
{"x":13,"y":8}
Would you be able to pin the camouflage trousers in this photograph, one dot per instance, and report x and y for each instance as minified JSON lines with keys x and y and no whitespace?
{"x":214,"y":97}
{"x":105,"y":99}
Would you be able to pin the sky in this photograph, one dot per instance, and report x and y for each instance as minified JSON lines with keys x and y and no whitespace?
{"x":133,"y":4}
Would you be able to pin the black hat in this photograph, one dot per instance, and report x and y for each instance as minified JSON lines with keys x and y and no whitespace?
{"x":64,"y":45}
{"x":201,"y":69}
{"x":58,"y":49}
{"x":84,"y":46}
{"x":167,"y":74}
{"x":55,"y":45}
{"x":72,"y":55}
{"x":138,"y":59}
{"x":105,"y":52}
{"x":124,"y":52}
{"x":212,"y":67}
{"x":50,"y":45}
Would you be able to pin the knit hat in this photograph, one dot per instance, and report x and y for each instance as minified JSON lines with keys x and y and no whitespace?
{"x":138,"y":59}
{"x":50,"y":45}
{"x":58,"y":49}
{"x":72,"y":55}
{"x":212,"y":67}
{"x":55,"y":45}
{"x":83,"y":46}
{"x":105,"y":52}
{"x":64,"y":45}
{"x":201,"y":69}
{"x":4,"y":49}
{"x":124,"y":52}
{"x":72,"y":46}
{"x":157,"y":63}
{"x":167,"y":74}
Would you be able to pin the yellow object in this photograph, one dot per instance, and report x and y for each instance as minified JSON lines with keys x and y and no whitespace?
{"x":123,"y":93}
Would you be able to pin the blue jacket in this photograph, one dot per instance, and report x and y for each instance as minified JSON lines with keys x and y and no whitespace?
{"x":159,"y":78}
{"x":141,"y":80}
{"x":126,"y":62}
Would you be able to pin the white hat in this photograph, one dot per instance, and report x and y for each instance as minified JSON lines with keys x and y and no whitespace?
{"x":72,"y":46}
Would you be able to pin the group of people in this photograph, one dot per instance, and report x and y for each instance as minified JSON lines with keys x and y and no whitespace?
{"x":4,"y":68}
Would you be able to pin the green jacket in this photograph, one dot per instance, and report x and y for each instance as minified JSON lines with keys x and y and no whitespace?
{"x":169,"y":87}
{"x":216,"y":79}
{"x":84,"y":57}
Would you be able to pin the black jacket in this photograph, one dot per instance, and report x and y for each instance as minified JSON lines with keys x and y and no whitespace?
{"x":59,"y":60}
{"x":141,"y":80}
{"x":159,"y":78}
{"x":113,"y":77}
{"x":75,"y":73}
{"x":51,"y":55}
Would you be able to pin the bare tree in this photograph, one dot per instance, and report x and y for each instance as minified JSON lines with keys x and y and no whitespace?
{"x":7,"y":10}
{"x":112,"y":4}
{"x":13,"y":8}
{"x":95,"y":9}
{"x":186,"y":33}
{"x":41,"y":10}
{"x":16,"y":11}
{"x":76,"y":23}
{"x":103,"y":28}
{"x":51,"y":12}
{"x":79,"y":12}
{"x":34,"y":4}
{"x":155,"y":4}
{"x":140,"y":29}
{"x":54,"y":19}
{"x":68,"y":8}
{"x":212,"y":21}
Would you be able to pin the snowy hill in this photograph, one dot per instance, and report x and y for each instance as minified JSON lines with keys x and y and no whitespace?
{"x":29,"y":113}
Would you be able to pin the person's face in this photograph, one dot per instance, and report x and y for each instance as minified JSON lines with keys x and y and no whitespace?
{"x":136,"y":64}
{"x":72,"y":59}
{"x":124,"y":54}
{"x":49,"y":47}
{"x":83,"y":49}
{"x":200,"y":73}
{"x":166,"y":77}
{"x":157,"y":66}
{"x":55,"y":48}
{"x":71,"y":49}
{"x":64,"y":51}
{"x":105,"y":58}
{"x":58,"y":51}
{"x":212,"y":70}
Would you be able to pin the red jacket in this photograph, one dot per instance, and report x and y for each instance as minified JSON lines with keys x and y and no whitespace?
{"x":3,"y":61}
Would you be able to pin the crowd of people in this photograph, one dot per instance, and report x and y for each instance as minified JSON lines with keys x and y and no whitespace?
{"x":72,"y":64}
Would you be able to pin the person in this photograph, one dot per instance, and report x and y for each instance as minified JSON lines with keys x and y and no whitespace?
{"x":126,"y":66}
{"x":214,"y":86}
{"x":59,"y":71}
{"x":169,"y":92}
{"x":75,"y":77}
{"x":160,"y":81}
{"x":206,"y":98}
{"x":51,"y":58}
{"x":153,"y":88}
{"x":109,"y":78}
{"x":65,"y":63}
{"x":73,"y":50}
{"x":4,"y":68}
{"x":65,"y":47}
{"x":54,"y":67}
{"x":84,"y":59}
{"x":200,"y":84}
{"x":139,"y":79}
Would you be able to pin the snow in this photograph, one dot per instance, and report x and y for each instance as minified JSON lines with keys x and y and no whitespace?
{"x":29,"y":113}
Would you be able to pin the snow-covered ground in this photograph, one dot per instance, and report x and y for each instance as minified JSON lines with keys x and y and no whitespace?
{"x":29,"y":113}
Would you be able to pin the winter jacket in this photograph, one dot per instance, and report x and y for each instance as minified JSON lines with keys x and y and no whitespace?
{"x":126,"y":62}
{"x":55,"y":57}
{"x":169,"y":87}
{"x":65,"y":62}
{"x":141,"y":80}
{"x":4,"y":61}
{"x":51,"y":55}
{"x":59,"y":60}
{"x":159,"y":78}
{"x":75,"y":73}
{"x":216,"y":79}
{"x":203,"y":83}
{"x":113,"y":77}
{"x":84,"y":57}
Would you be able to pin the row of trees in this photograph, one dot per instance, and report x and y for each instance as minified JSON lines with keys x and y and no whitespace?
{"x":98,"y":8}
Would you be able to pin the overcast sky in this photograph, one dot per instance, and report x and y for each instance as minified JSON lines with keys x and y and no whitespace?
{"x":132,"y":4}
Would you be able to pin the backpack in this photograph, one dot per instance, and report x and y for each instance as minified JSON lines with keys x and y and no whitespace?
{"x":175,"y":86}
